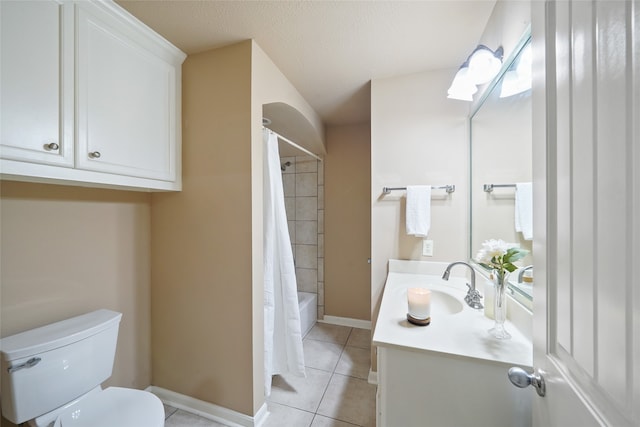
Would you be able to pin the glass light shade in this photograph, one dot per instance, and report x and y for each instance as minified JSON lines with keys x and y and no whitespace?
{"x":462,"y":87}
{"x":483,"y":65}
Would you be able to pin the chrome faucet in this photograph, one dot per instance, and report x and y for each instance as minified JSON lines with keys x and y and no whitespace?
{"x":473,"y":296}
{"x":521,"y":273}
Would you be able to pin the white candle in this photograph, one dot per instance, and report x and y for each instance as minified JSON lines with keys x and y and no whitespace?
{"x":419,"y":300}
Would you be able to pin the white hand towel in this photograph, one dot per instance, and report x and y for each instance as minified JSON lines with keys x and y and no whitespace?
{"x":524,"y":209}
{"x":418,"y":210}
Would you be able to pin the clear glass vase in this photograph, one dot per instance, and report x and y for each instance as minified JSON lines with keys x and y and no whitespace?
{"x":500,"y":306}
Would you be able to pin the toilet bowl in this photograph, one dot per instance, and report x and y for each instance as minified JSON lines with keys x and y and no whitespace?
{"x":51,"y":377}
{"x":113,"y":406}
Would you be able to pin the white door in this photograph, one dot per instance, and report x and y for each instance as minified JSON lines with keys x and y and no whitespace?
{"x":587,"y":212}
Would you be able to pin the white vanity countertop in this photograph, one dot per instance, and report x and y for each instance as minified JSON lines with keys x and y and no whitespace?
{"x":461,"y":334}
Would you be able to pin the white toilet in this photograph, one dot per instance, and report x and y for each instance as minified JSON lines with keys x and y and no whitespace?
{"x":51,"y":377}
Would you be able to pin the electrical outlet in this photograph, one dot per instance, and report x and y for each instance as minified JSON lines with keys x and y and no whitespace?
{"x":427,"y":247}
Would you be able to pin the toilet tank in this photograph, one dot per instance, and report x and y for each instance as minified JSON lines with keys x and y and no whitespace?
{"x":47,"y":367}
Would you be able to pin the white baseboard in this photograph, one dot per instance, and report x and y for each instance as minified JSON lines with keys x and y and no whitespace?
{"x":345,"y":321}
{"x":209,"y":410}
{"x":373,"y":377}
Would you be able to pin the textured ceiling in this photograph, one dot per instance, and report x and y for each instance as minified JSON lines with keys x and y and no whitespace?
{"x":329,"y":50}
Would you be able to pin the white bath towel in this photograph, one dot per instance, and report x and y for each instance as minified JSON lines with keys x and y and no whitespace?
{"x":524,"y":209}
{"x":418,"y":215}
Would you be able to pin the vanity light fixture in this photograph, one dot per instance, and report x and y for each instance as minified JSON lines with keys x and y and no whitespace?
{"x":462,"y":87}
{"x":480,"y":67}
{"x":484,"y":64}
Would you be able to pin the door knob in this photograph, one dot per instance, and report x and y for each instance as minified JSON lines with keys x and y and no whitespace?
{"x":521,"y":378}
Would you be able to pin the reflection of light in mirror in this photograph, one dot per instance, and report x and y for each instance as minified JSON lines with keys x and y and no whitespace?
{"x":500,"y":154}
{"x":518,"y":80}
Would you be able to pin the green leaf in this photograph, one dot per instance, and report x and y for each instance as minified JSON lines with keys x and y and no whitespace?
{"x":510,"y":267}
{"x":514,"y":254}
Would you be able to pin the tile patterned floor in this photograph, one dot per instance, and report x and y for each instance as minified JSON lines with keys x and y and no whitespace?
{"x":335,"y":392}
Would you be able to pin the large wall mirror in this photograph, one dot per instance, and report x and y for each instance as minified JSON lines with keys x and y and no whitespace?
{"x":501,"y":165}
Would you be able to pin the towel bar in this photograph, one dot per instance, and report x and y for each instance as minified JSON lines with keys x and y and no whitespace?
{"x":488,"y":188}
{"x":448,"y":188}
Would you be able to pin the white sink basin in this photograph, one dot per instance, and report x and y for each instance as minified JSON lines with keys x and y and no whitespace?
{"x":443,"y":303}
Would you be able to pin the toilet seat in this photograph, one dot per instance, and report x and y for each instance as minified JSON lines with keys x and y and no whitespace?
{"x":115,"y":406}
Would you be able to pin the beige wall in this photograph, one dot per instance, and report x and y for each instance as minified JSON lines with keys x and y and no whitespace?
{"x":418,"y":136}
{"x":202,"y":239}
{"x":347,"y":224}
{"x":66,"y":251}
{"x":207,"y":300}
{"x":507,"y":23}
{"x":297,"y":120}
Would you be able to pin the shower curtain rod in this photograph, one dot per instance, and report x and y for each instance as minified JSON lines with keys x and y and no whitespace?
{"x":290,"y":142}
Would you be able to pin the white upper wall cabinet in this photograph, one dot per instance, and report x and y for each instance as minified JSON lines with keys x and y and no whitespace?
{"x":124,"y":91}
{"x":36,"y":82}
{"x":87,"y":86}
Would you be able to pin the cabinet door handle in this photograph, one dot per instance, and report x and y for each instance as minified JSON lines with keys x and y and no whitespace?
{"x":51,"y":146}
{"x":94,"y":155}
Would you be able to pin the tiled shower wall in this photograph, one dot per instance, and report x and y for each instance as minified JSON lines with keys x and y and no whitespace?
{"x":304,"y":199}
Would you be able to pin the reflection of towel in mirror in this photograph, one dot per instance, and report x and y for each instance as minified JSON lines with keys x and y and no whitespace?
{"x":418,"y":215}
{"x":524,"y":209}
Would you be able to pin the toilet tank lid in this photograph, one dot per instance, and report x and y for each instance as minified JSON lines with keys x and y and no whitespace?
{"x":56,"y":335}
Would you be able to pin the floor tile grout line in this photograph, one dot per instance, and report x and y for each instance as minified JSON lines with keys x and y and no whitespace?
{"x":332,"y":374}
{"x":335,"y":419}
{"x":293,"y":407}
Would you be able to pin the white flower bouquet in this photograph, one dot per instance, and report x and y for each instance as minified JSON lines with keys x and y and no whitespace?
{"x":499,"y":256}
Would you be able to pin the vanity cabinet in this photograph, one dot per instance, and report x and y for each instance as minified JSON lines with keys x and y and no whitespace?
{"x":90,"y":96}
{"x":439,"y":389}
{"x":451,"y":373}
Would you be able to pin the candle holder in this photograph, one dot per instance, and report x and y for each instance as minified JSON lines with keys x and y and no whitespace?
{"x":419,"y":302}
{"x":418,"y":322}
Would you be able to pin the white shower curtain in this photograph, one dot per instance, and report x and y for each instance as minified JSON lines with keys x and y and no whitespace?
{"x":282,"y":332}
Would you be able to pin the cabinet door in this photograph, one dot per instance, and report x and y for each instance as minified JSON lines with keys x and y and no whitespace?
{"x":126,"y":99}
{"x":36,"y":83}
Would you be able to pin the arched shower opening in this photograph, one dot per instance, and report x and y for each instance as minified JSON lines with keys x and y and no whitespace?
{"x":303,"y":182}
